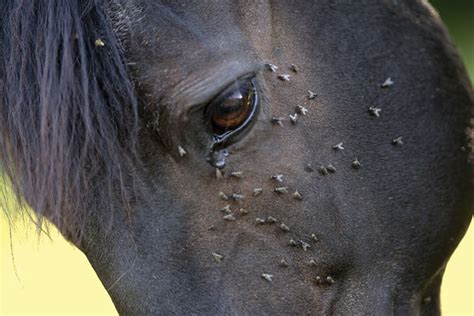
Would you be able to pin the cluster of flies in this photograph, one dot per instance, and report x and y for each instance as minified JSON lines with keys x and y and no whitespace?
{"x":237,"y":198}
{"x":372,"y":110}
{"x":323,"y":170}
{"x":300,"y":110}
{"x":230,"y":215}
{"x":279,"y":189}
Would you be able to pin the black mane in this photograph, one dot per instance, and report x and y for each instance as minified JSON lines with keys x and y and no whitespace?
{"x":68,"y":113}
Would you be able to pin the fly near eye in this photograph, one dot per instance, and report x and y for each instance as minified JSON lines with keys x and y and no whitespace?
{"x":233,"y":109}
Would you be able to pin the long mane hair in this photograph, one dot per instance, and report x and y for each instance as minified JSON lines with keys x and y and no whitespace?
{"x":68,"y":111}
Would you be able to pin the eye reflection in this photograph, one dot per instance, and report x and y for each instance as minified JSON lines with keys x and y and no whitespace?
{"x":232,"y":111}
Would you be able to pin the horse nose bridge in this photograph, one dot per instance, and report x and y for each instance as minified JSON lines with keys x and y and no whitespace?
{"x":263,"y":274}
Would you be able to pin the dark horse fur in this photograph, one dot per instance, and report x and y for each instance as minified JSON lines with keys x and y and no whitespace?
{"x":96,"y":97}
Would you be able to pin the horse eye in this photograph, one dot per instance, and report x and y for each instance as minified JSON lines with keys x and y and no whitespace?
{"x":233,"y":109}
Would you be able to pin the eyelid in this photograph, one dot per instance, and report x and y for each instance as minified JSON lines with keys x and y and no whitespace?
{"x":196,"y":92}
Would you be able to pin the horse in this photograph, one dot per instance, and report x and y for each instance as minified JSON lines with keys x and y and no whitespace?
{"x":243,"y":157}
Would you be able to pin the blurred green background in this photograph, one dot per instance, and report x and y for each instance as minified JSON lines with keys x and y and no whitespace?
{"x":458,"y":15}
{"x":458,"y":282}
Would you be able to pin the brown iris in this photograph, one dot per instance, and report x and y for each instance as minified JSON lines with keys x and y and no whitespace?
{"x":232,"y":109}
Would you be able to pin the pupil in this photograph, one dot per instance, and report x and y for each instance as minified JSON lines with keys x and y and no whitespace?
{"x":233,"y":110}
{"x":230,"y":105}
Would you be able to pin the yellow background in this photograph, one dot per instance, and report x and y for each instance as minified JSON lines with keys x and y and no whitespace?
{"x":54,"y":278}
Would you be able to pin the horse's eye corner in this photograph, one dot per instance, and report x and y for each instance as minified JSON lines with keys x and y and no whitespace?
{"x":233,"y":110}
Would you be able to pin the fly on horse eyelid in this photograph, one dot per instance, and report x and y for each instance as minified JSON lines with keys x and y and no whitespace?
{"x":278,"y":177}
{"x":267,"y":276}
{"x":229,"y":218}
{"x":338,"y":146}
{"x":284,"y":77}
{"x":182,"y":152}
{"x":311,"y":95}
{"x":236,"y":197}
{"x":226,"y":209}
{"x":276,"y":120}
{"x":243,"y":211}
{"x":260,"y":221}
{"x":284,"y":227}
{"x":271,"y":67}
{"x":223,"y":196}
{"x":271,"y":219}
{"x":293,"y":118}
{"x":297,"y":196}
{"x":237,"y":174}
{"x":281,"y":190}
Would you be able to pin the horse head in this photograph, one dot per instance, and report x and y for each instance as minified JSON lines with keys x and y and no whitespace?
{"x":243,"y":157}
